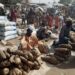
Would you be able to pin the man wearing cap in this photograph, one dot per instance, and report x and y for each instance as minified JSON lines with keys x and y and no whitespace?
{"x":64,"y":35}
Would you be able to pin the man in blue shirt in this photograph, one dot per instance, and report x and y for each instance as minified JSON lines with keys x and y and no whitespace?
{"x":64,"y":35}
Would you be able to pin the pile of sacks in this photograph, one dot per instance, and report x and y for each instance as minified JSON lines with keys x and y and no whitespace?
{"x":61,"y":54}
{"x":16,"y":62}
{"x":7,"y":30}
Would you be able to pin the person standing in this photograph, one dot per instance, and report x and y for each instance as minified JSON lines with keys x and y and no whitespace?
{"x":61,"y":21}
{"x":31,"y":16}
{"x":23,"y":18}
{"x":44,"y":20}
{"x":50,"y":20}
{"x":57,"y":22}
{"x":13,"y":15}
{"x":64,"y":36}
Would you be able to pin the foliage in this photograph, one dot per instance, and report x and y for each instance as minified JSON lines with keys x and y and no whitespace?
{"x":9,"y":2}
{"x":65,"y":1}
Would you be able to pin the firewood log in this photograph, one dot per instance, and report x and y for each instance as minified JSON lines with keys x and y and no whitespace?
{"x":65,"y":46}
{"x":51,"y":59}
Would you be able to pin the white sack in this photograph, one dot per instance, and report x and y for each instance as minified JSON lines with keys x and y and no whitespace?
{"x":7,"y":28}
{"x":8,"y":37}
{"x":7,"y":33}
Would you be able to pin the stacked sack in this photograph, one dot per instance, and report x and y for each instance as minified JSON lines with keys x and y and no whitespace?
{"x":7,"y":30}
{"x":16,"y":62}
{"x":61,"y":54}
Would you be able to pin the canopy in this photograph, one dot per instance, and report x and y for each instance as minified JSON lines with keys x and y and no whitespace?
{"x":18,"y":4}
{"x":40,"y":8}
{"x":59,"y":4}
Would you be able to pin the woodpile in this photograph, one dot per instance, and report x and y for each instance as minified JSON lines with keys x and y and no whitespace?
{"x":29,"y":44}
{"x":61,"y":54}
{"x":73,"y":46}
{"x":18,"y":62}
{"x":72,"y":37}
{"x":50,"y":59}
{"x":68,"y":46}
{"x":43,"y":48}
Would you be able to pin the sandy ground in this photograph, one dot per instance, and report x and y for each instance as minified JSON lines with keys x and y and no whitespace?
{"x":67,"y":68}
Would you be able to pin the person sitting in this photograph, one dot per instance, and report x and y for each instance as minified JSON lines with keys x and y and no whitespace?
{"x":24,"y":43}
{"x":64,"y":35}
{"x":42,"y":33}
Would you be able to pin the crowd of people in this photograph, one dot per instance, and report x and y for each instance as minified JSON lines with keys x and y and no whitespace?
{"x":40,"y":20}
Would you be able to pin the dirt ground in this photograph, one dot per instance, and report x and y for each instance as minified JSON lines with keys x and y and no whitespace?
{"x":67,"y":68}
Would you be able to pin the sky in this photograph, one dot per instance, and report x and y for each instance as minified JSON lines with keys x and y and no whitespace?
{"x":44,"y":1}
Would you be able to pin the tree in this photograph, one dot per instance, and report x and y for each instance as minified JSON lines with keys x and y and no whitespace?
{"x":15,"y":1}
{"x":9,"y":2}
{"x":65,"y":1}
{"x":73,"y":2}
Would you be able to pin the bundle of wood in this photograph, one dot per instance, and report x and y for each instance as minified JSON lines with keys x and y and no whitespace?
{"x":50,"y":59}
{"x":18,"y":62}
{"x":28,"y":43}
{"x":42,"y":47}
{"x":72,"y":37}
{"x":61,"y":54}
{"x":73,"y":46}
